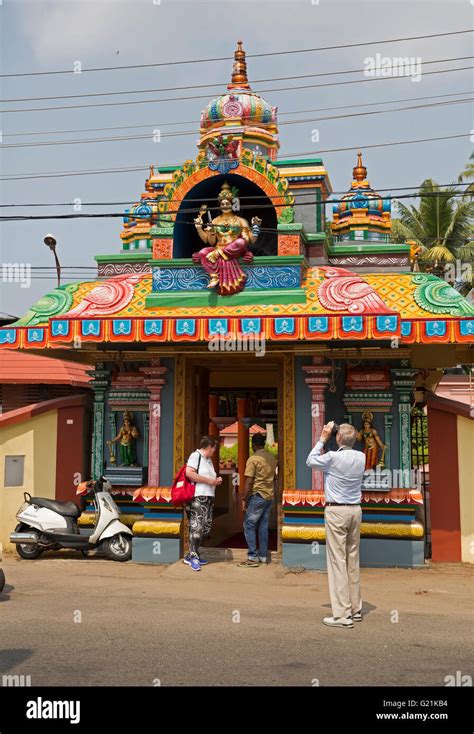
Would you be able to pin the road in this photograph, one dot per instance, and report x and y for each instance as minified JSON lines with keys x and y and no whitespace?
{"x":73,"y":621}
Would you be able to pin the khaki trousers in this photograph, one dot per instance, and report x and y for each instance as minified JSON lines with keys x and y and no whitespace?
{"x":342,"y":526}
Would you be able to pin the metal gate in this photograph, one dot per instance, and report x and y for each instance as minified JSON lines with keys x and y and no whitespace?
{"x":420,"y":465}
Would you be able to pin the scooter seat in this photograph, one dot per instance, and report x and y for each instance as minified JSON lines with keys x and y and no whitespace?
{"x":66,"y":509}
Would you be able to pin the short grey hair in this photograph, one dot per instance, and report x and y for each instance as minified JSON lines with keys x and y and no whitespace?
{"x":348,"y":434}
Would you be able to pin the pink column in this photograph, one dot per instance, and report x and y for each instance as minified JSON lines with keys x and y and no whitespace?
{"x":317,"y":380}
{"x":154,"y":381}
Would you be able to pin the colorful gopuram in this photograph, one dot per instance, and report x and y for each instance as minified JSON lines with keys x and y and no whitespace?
{"x":226,"y":302}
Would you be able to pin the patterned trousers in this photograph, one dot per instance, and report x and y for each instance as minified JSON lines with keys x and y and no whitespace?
{"x":199,"y":512}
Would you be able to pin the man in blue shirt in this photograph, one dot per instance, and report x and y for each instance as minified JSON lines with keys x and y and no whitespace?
{"x":343,"y":473}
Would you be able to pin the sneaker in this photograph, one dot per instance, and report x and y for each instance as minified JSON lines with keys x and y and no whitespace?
{"x":203,"y":561}
{"x":192,"y":561}
{"x":262,"y":559}
{"x":249,"y":564}
{"x":338,"y":622}
{"x":357,"y":616}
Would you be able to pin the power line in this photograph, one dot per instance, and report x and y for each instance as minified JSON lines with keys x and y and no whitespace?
{"x":196,"y":122}
{"x":181,"y":133}
{"x":155,"y":218}
{"x":206,"y":96}
{"x":230,"y":58}
{"x":242,"y":198}
{"x":134,"y":169}
{"x":214,"y":84}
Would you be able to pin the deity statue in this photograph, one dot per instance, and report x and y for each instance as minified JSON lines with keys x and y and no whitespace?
{"x":227,"y":237}
{"x":127,"y":435}
{"x":372,"y":442}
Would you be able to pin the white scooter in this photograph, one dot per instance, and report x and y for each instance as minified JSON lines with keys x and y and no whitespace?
{"x":51,"y":525}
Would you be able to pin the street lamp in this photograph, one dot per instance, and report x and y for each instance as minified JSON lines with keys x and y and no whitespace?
{"x":50,"y":241}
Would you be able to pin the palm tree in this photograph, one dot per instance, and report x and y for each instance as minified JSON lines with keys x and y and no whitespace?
{"x":441,"y":225}
{"x":468,"y":173}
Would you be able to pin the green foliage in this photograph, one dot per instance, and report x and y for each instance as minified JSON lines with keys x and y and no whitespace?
{"x":441,"y":224}
{"x":228,"y":453}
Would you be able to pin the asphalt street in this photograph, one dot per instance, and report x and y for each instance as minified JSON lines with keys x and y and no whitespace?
{"x":73,"y":621}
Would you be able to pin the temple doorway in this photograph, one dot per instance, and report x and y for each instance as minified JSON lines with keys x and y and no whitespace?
{"x":232,"y":399}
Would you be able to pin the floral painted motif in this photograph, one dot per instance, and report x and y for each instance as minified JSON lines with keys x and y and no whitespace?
{"x":344,"y":291}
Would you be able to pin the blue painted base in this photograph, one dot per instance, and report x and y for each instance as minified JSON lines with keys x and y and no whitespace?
{"x":155,"y":550}
{"x":374,"y":553}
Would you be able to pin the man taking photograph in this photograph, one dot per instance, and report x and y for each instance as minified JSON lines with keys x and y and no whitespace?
{"x":343,"y":473}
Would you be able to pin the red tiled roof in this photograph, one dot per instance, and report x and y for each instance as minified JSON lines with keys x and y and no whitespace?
{"x":232,"y":429}
{"x":21,"y":368}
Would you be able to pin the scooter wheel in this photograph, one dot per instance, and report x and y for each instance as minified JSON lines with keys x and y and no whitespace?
{"x":118,"y":548}
{"x":26,"y":550}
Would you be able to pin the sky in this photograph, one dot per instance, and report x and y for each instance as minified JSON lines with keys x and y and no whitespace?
{"x":61,"y":35}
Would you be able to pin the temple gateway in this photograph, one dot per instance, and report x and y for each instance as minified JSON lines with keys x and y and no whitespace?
{"x":229,"y":310}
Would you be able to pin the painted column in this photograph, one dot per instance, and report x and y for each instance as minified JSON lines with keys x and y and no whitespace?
{"x":213,"y":429}
{"x":99,"y":383}
{"x":403,"y":379}
{"x":146,"y":437}
{"x":243,"y":440}
{"x":113,"y":433}
{"x":317,"y":380}
{"x":387,"y":419}
{"x":154,"y":380}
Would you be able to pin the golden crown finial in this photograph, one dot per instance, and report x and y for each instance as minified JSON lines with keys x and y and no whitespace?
{"x":225,"y":192}
{"x":359,"y":172}
{"x":239,"y":69}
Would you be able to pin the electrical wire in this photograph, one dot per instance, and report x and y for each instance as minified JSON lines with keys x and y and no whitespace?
{"x":230,"y":58}
{"x":214,"y":84}
{"x":155,"y":218}
{"x":206,"y":96}
{"x":196,"y":122}
{"x":180,"y":133}
{"x":134,"y":169}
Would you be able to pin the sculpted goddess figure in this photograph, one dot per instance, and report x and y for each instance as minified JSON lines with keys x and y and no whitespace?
{"x":227,"y":237}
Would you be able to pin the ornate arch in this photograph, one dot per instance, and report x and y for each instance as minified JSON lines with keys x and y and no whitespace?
{"x":266,"y":176}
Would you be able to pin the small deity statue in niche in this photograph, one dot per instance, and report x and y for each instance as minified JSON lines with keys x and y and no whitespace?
{"x":227,"y":237}
{"x":127,"y":435}
{"x":372,"y":442}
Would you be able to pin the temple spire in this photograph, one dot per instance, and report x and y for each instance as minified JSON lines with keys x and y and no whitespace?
{"x":359,"y":172}
{"x":239,"y":70}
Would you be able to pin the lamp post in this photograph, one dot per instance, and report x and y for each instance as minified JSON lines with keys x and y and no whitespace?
{"x":50,"y":241}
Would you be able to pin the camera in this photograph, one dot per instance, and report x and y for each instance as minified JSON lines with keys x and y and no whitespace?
{"x":335,"y":429}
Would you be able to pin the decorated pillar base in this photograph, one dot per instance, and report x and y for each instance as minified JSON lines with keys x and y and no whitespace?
{"x":374,"y":553}
{"x":290,"y":239}
{"x":162,"y":243}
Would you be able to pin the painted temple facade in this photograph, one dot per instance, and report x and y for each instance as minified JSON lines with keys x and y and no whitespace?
{"x":279,"y":327}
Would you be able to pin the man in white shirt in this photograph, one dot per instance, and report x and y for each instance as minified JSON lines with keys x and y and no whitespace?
{"x":343,"y":473}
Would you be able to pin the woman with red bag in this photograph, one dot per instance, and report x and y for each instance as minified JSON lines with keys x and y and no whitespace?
{"x":200,"y":469}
